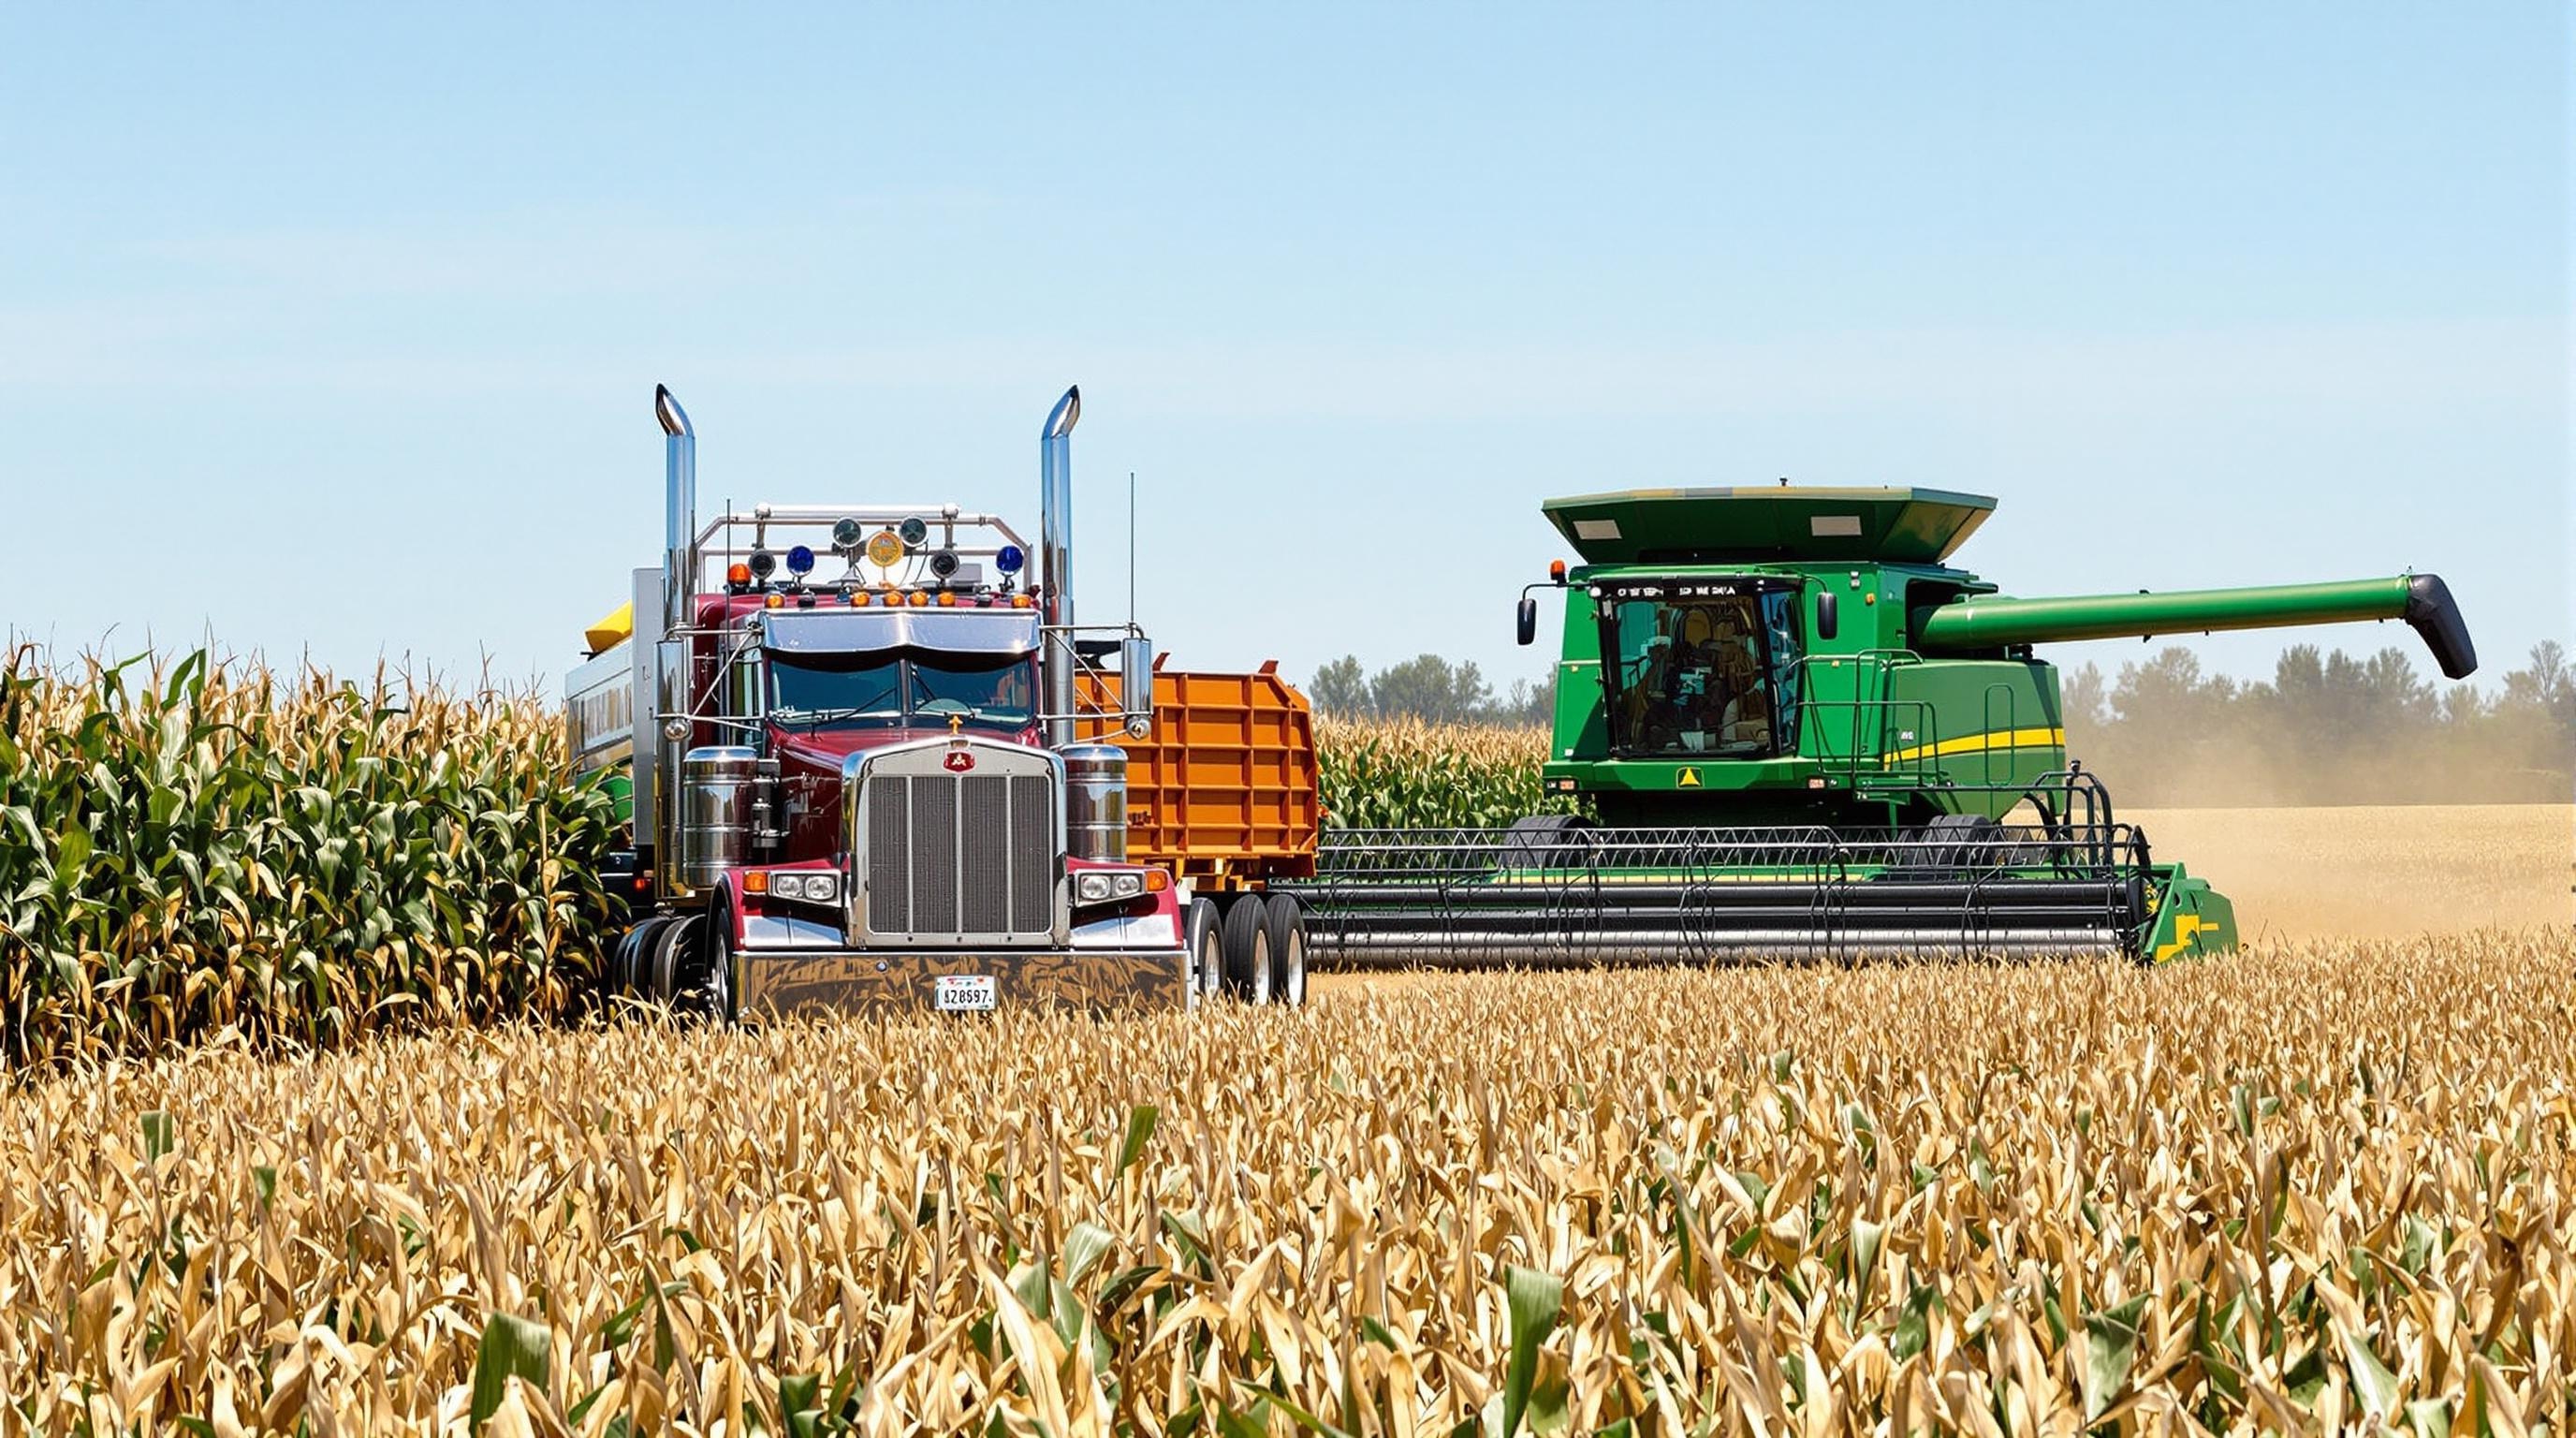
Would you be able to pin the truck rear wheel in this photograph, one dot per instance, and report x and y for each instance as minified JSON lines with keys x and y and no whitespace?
{"x":1247,"y":949}
{"x":1199,"y":939}
{"x":630,"y":962}
{"x":1283,"y":922}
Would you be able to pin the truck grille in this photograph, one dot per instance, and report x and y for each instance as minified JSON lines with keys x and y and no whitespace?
{"x":959,"y":857}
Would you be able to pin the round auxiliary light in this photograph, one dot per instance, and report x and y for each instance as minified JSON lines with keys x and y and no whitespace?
{"x":1010,"y":560}
{"x":845,"y":534}
{"x":943,"y":564}
{"x":800,"y":560}
{"x":737,"y":574}
{"x":763,"y":563}
{"x":915,"y":532}
{"x":886,"y":548}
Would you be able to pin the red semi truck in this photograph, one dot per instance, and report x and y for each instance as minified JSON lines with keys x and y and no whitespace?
{"x":870,"y":758}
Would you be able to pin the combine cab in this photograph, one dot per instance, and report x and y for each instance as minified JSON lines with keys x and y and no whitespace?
{"x":1799,"y":733}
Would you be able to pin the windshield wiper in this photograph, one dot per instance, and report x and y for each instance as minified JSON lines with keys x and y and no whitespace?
{"x":828,"y":716}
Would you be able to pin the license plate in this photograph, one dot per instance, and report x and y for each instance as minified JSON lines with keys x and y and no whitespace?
{"x":963,"y":993}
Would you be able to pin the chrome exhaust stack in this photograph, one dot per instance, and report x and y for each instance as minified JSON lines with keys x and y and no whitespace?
{"x":679,"y":511}
{"x":1055,"y":557}
{"x":670,"y":739}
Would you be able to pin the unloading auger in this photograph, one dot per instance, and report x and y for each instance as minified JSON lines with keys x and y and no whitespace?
{"x":1795,"y":731}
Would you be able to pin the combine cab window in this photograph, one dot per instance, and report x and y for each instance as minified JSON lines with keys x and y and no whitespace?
{"x":1696,"y":669}
{"x":883,"y":691}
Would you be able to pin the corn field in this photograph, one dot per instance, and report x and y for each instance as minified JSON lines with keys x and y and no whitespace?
{"x":198,"y":846}
{"x":2301,"y":1190}
{"x":1395,"y":774}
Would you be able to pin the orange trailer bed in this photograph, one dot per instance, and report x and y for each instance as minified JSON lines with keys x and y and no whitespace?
{"x":1223,"y":791}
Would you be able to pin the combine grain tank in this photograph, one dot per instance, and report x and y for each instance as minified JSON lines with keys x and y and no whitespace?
{"x":1795,"y":730}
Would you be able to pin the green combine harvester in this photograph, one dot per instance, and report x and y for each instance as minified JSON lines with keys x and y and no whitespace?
{"x":1796,"y":731}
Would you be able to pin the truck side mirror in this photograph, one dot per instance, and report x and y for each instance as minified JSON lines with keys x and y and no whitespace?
{"x":1829,"y":614}
{"x":1136,"y":684}
{"x":1528,"y":620}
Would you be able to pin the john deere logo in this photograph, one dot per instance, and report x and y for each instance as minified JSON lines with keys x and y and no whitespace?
{"x":1689,"y":779}
{"x":958,"y":761}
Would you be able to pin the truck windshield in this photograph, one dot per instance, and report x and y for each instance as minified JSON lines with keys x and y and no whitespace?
{"x":1700,"y":669}
{"x":883,"y":691}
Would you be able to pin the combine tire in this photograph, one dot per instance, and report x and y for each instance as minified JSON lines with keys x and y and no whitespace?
{"x":1247,"y":950}
{"x":1199,"y":938}
{"x":1283,"y":923}
{"x":1542,"y":841}
{"x":1962,"y":845}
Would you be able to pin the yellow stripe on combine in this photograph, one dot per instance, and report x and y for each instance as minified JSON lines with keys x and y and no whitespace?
{"x":1982,"y":743}
{"x":2188,"y":927}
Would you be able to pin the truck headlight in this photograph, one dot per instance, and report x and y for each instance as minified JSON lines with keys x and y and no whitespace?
{"x":810,"y":888}
{"x":1108,"y":886}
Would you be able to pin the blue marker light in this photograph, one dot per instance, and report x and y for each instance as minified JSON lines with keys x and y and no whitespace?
{"x":1010,"y":559}
{"x":800,"y":560}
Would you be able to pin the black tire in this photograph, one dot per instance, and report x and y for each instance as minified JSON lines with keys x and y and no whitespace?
{"x":1283,"y":922}
{"x":707,"y":990}
{"x":670,"y":958}
{"x":1247,"y":949}
{"x":1200,"y":940}
{"x":1952,"y":844}
{"x":626,"y":961}
{"x":1542,"y":841}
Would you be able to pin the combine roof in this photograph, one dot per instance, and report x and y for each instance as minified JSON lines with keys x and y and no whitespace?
{"x":1781,"y":522}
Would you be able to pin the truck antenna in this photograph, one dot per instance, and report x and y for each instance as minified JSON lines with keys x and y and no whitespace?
{"x":1131,"y":548}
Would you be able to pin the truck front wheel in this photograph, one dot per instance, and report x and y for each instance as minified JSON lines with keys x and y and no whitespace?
{"x":708,"y":990}
{"x":667,"y":954}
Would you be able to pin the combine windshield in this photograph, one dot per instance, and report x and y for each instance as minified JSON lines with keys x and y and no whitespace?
{"x":1700,"y":669}
{"x":889,"y":691}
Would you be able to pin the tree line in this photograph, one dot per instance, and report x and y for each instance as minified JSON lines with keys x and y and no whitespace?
{"x":1429,"y":688}
{"x":2326,"y":728}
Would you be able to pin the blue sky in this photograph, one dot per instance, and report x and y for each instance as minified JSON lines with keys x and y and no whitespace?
{"x":335,"y":330}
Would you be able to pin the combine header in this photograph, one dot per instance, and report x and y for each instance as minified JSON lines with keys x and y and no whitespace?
{"x":1799,"y":732}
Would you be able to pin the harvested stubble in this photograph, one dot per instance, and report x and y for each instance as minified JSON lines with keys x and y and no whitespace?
{"x":2279,"y":1191}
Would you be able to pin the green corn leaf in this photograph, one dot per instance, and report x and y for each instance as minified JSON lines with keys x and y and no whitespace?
{"x":512,"y":1347}
{"x":2110,"y":1351}
{"x":1535,"y":1300}
{"x":1140,"y":1128}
